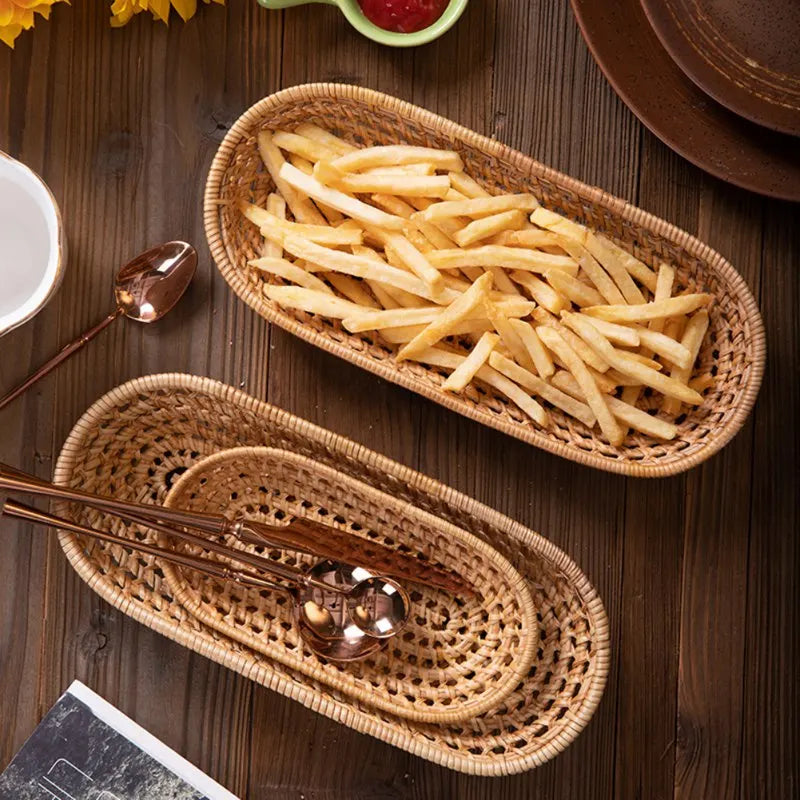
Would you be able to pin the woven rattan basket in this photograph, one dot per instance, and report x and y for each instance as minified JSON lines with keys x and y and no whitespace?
{"x":455,"y":659}
{"x":138,"y":439}
{"x":734,"y":349}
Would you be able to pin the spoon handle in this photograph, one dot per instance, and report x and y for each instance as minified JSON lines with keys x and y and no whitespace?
{"x":61,"y":356}
{"x":197,"y":563}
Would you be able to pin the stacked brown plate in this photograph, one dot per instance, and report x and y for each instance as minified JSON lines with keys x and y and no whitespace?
{"x":718,"y":81}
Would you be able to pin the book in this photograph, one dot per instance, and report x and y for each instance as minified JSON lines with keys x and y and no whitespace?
{"x":85,"y":749}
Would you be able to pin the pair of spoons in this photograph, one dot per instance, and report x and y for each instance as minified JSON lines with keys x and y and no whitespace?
{"x":343,"y":613}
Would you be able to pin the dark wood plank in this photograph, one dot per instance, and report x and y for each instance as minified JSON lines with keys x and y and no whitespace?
{"x":770,"y":736}
{"x":716,"y":531}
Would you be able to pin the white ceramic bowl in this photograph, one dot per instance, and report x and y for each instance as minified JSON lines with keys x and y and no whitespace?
{"x":32,"y":248}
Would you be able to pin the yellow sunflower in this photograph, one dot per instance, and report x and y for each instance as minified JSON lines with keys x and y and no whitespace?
{"x":17,"y":16}
{"x":123,"y":10}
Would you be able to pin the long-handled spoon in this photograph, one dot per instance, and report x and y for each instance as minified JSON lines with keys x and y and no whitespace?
{"x":332,"y":628}
{"x":303,"y":535}
{"x":145,"y":290}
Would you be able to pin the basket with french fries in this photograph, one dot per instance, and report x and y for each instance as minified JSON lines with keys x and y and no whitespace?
{"x":483,"y":280}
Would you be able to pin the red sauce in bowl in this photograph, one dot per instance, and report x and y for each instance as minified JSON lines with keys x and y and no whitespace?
{"x":403,"y":16}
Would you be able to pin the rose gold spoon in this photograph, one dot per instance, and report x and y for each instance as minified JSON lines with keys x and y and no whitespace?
{"x":145,"y":289}
{"x":342,"y":613}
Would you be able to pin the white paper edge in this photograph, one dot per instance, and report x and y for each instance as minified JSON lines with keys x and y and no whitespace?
{"x":149,"y":744}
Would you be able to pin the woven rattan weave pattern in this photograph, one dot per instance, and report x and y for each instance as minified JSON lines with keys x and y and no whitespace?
{"x":456,"y":658}
{"x":734,"y":349}
{"x":135,"y":441}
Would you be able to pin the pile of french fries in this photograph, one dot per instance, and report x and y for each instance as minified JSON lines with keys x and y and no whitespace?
{"x":400,"y":242}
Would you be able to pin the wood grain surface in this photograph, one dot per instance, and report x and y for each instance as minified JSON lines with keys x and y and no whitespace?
{"x":698,"y":572}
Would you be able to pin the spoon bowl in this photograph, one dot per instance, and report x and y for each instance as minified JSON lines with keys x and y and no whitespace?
{"x":150,"y":285}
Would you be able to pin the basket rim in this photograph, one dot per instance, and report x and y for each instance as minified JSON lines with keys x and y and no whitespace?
{"x":516,"y":582}
{"x":344,"y":449}
{"x":627,"y":211}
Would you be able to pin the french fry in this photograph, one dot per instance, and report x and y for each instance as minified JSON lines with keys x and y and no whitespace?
{"x":418,"y":240}
{"x":402,"y":169}
{"x":351,"y":289}
{"x":310,"y":300}
{"x":325,"y":137}
{"x":366,"y":320}
{"x":393,"y":205}
{"x":619,"y":334}
{"x":642,"y":359}
{"x":532,"y":238}
{"x":350,"y":206}
{"x":571,"y":288}
{"x":632,"y":265}
{"x":628,"y":365}
{"x":321,"y":234}
{"x":511,"y":339}
{"x":357,"y":266}
{"x":466,"y":370}
{"x":663,"y":290}
{"x":587,"y":355}
{"x":382,"y":295}
{"x":289,"y":272}
{"x":469,"y":187}
{"x":683,"y":304}
{"x":502,"y":281}
{"x":304,"y":165}
{"x":442,"y":358}
{"x":543,"y":389}
{"x":391,"y":155}
{"x":633,"y":417}
{"x":459,"y":310}
{"x":665,"y":346}
{"x":402,"y":299}
{"x":609,"y":257}
{"x":410,"y":257}
{"x":276,"y":206}
{"x":596,"y":274}
{"x":405,"y":185}
{"x":301,"y":207}
{"x":594,"y":397}
{"x":545,"y":218}
{"x":491,"y":255}
{"x":485,"y":227}
{"x":308,"y":149}
{"x":405,"y":333}
{"x":478,"y":207}
{"x":439,"y":240}
{"x":604,"y":383}
{"x":544,"y":294}
{"x":691,"y":340}
{"x":533,"y":344}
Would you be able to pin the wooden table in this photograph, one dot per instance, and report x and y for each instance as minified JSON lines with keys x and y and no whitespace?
{"x":698,"y":572}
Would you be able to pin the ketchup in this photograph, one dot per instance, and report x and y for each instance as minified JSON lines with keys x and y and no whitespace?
{"x":403,"y":16}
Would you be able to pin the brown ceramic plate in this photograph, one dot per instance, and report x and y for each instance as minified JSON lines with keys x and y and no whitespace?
{"x":744,"y":53}
{"x":686,"y":119}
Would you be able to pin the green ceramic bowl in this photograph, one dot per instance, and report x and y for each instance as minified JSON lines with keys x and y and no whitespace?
{"x":352,"y":10}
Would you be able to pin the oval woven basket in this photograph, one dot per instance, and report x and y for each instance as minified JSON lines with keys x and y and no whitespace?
{"x":139,"y":438}
{"x":456,"y":658}
{"x":734,"y":349}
